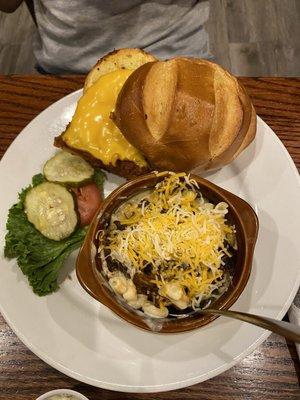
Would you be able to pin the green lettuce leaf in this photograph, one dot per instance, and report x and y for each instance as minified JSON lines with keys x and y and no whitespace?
{"x":39,"y":258}
{"x":99,"y":178}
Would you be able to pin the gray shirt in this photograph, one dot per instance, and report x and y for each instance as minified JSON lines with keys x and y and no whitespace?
{"x":73,"y":34}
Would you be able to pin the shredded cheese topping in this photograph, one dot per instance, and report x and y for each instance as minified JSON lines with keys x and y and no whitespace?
{"x":179,"y":235}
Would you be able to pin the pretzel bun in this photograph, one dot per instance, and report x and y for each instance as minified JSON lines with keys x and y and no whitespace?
{"x":185,"y":114}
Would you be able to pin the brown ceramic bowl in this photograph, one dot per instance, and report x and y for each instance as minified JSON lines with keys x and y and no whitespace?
{"x":95,"y":283}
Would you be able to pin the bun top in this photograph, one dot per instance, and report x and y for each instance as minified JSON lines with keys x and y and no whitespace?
{"x":185,"y":113}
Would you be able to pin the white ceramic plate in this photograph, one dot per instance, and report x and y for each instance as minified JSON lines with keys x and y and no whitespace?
{"x":81,"y":338}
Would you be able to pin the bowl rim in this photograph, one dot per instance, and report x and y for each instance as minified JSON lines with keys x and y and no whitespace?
{"x":54,"y":392}
{"x":244,"y":214}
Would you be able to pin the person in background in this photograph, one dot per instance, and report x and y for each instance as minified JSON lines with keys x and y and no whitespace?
{"x":72,"y":35}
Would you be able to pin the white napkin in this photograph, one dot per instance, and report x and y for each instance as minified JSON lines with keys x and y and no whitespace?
{"x":294,"y":315}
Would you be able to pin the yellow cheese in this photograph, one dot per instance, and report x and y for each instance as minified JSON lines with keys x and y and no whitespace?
{"x":91,"y":128}
{"x":179,"y":233}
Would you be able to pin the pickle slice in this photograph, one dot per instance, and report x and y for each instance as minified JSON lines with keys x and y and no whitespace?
{"x":68,"y":169}
{"x":50,"y":207}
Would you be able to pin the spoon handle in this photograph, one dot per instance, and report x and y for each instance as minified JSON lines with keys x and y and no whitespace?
{"x":286,"y":329}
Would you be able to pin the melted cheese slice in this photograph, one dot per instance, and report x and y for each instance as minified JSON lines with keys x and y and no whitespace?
{"x":91,"y":128}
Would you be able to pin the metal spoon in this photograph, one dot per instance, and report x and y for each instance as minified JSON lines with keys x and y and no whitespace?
{"x":286,"y":329}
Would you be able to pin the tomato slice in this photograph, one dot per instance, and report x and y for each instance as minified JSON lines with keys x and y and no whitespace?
{"x":89,"y":199}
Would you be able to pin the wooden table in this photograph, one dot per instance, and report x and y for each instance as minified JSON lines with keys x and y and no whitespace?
{"x":270,"y":372}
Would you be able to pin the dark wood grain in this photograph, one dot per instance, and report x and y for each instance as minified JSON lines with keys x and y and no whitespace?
{"x":270,"y":372}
